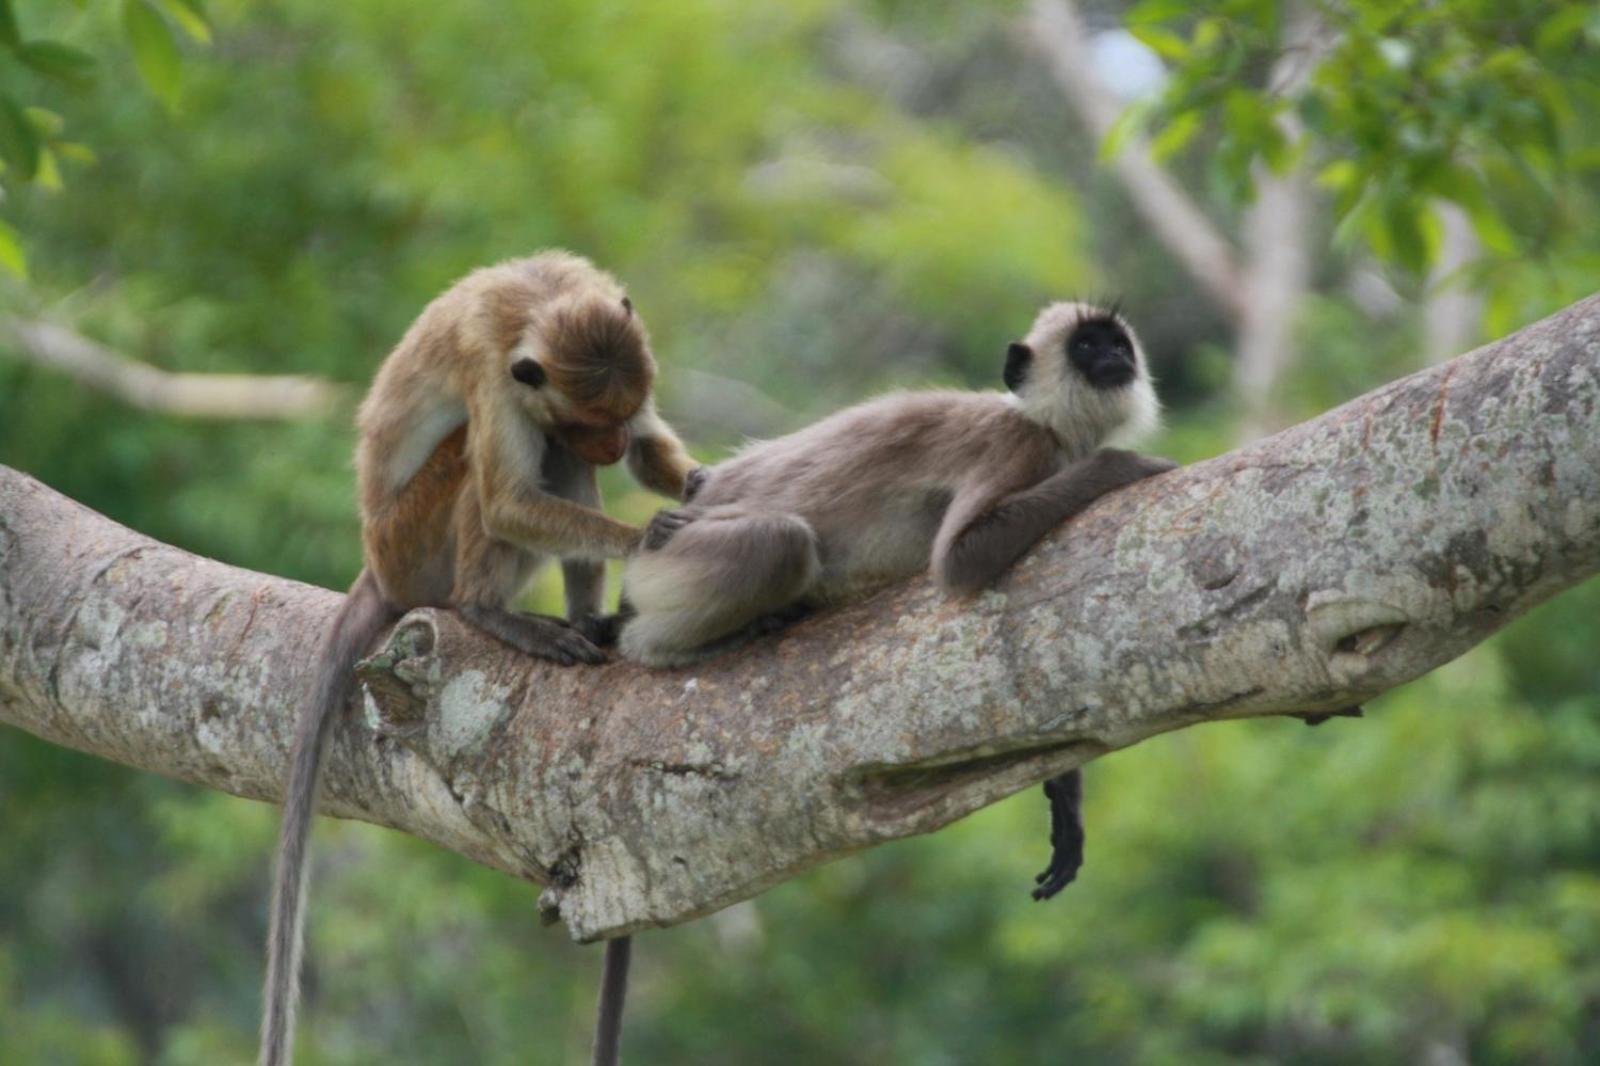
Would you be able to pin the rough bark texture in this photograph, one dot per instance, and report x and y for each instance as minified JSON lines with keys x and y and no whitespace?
{"x":1312,"y":570}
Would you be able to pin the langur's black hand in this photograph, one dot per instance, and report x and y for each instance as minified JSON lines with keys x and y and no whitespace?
{"x":694,"y":483}
{"x":1065,"y":794}
{"x":663,"y":527}
{"x":1131,"y":466}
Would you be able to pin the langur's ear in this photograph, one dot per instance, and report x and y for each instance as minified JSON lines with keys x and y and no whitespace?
{"x":1019,"y":357}
{"x":627,"y":305}
{"x":528,"y":372}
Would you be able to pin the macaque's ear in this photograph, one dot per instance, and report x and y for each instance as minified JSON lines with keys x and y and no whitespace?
{"x":528,"y":372}
{"x":627,"y":305}
{"x":1019,"y":357}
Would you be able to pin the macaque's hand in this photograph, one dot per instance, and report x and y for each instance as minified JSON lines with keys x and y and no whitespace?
{"x":663,"y":527}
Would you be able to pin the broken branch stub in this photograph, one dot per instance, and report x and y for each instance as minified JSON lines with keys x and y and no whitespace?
{"x":1308,"y":572}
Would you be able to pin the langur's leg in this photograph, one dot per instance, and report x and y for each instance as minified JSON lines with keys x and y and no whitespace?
{"x":716,"y":574}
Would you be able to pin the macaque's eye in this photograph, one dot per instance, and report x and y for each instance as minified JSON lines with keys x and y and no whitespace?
{"x":528,"y":372}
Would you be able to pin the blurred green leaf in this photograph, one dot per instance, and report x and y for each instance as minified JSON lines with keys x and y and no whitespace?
{"x":59,"y":61}
{"x":155,"y":54}
{"x":12,"y":257}
{"x":78,"y":153}
{"x":49,"y":176}
{"x":189,"y":18}
{"x":1176,"y":136}
{"x":1165,"y":43}
{"x":10,"y":36}
{"x":46,"y":122}
{"x":19,"y":143}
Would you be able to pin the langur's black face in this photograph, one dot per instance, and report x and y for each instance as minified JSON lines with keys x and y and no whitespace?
{"x":1102,"y":352}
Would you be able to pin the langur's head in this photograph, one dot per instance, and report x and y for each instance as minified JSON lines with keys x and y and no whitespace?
{"x":1081,"y":372}
{"x":584,"y":369}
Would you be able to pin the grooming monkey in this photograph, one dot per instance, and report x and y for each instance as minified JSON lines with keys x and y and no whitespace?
{"x":478,"y":445}
{"x":962,"y":481}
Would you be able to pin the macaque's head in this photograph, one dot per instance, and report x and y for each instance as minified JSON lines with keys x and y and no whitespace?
{"x":1081,"y":372}
{"x":584,"y":372}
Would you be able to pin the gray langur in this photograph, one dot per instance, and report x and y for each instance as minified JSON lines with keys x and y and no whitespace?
{"x":959,"y":482}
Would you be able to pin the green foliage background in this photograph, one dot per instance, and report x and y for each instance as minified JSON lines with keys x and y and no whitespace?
{"x":815,"y":199}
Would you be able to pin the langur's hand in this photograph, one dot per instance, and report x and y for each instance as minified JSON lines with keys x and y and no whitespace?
{"x":663,"y":527}
{"x":694,"y":482}
{"x":1129,"y":467}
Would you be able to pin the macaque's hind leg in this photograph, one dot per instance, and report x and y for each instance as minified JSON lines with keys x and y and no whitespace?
{"x":1066,"y":834}
{"x":717,"y":575}
{"x":531,"y":634}
{"x":490,"y":573}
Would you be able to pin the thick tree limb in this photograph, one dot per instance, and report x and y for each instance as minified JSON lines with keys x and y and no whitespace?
{"x":230,"y":396}
{"x":1310,"y":571}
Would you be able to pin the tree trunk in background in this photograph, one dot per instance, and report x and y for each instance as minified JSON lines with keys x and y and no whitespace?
{"x":1452,"y":314}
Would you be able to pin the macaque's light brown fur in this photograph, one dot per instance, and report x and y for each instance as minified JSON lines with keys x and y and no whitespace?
{"x":453,"y":369}
{"x":476,"y":461}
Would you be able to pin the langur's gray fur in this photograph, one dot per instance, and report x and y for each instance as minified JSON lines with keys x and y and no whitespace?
{"x":963,"y":482}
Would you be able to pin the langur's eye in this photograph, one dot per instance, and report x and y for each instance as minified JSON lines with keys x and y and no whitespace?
{"x":528,"y":372}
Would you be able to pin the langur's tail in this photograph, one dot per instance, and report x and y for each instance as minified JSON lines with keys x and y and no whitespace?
{"x":360,"y":620}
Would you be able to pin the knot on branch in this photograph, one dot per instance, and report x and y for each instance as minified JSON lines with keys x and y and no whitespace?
{"x":402,"y":676}
{"x":1349,"y":629}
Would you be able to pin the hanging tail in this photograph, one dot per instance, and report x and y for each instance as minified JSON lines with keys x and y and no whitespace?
{"x":360,"y":620}
{"x":613,"y":990}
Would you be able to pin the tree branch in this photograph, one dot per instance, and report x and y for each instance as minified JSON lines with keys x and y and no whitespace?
{"x":1310,"y":571}
{"x":228,"y":396}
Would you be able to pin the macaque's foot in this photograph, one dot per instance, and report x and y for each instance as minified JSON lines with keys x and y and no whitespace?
{"x":1065,"y":794}
{"x":662,"y":527}
{"x":601,"y":630}
{"x":1318,"y":717}
{"x":604,"y":629}
{"x":536,"y":635}
{"x":695,"y":482}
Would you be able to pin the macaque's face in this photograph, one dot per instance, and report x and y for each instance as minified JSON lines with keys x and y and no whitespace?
{"x":596,"y":433}
{"x":597,"y":441}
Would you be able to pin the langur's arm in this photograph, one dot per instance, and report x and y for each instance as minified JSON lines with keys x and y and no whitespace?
{"x":984,"y":532}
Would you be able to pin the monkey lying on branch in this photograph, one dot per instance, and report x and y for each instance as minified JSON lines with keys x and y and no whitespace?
{"x":964,"y":482}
